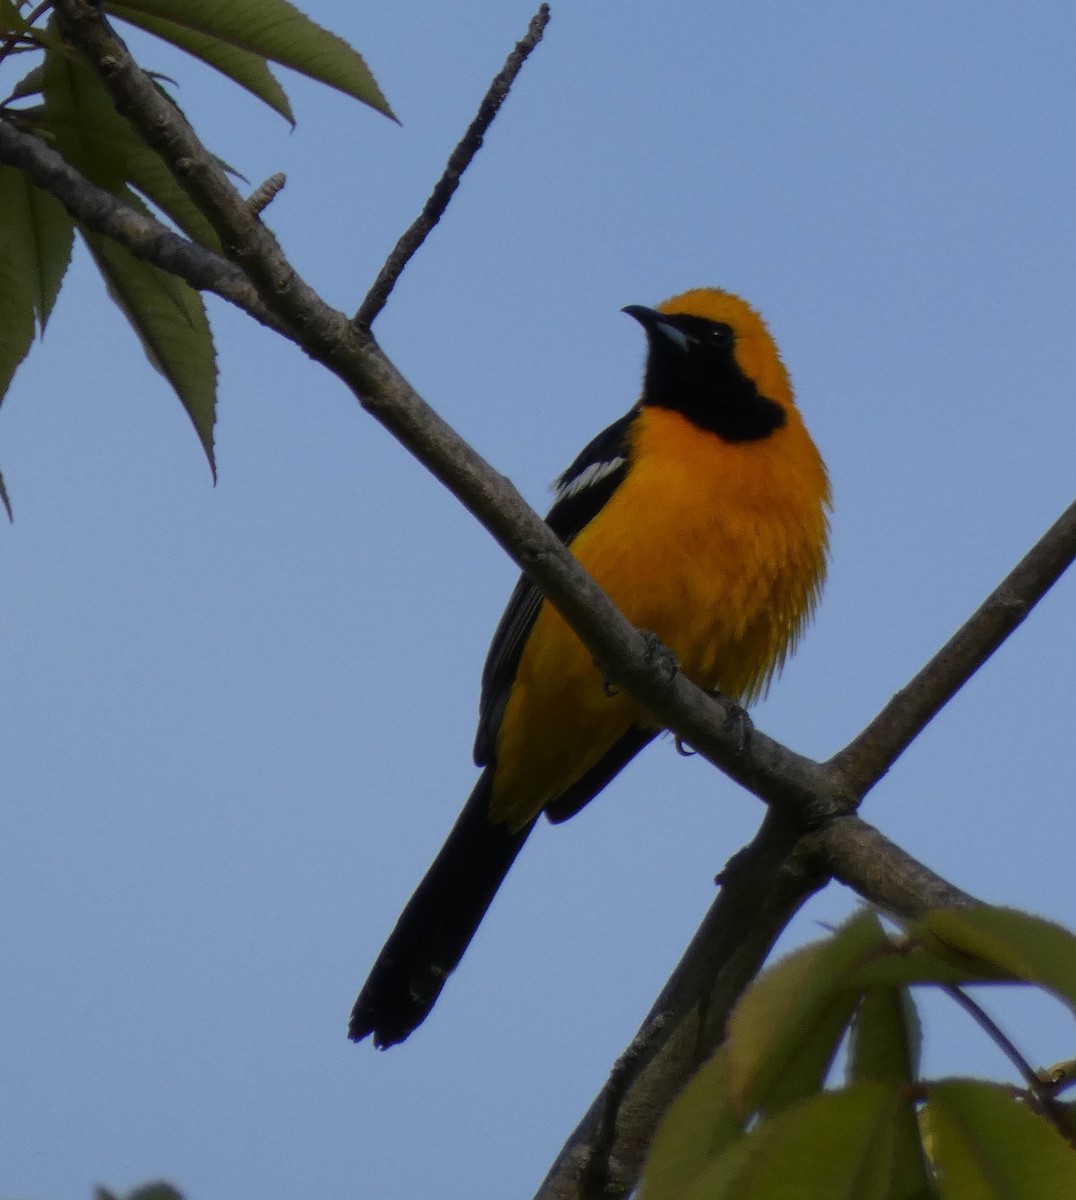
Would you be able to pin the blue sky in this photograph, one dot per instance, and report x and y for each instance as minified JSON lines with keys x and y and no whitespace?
{"x":237,"y":720}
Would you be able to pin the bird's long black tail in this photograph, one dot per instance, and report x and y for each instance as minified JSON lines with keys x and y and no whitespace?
{"x":438,"y":923}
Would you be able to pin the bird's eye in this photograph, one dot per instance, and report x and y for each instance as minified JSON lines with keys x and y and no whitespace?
{"x":719,"y":336}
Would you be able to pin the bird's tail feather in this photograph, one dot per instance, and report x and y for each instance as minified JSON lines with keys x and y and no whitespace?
{"x":438,"y":923}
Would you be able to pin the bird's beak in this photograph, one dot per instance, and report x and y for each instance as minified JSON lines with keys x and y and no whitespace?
{"x":655,"y":322}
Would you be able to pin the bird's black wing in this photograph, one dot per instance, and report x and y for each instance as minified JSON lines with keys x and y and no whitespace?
{"x":581,"y":493}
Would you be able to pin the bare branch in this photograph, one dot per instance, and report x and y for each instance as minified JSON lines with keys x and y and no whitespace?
{"x":1039,"y":1092}
{"x":143,"y":236}
{"x":458,"y":162}
{"x":880,"y":871}
{"x":867,"y":758}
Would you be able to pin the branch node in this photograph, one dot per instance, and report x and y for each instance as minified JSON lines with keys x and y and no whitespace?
{"x":263,"y":196}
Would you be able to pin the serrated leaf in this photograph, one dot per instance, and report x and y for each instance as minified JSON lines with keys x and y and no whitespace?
{"x":11,"y":20}
{"x":37,"y":236}
{"x":245,"y":68}
{"x":796,"y":1008}
{"x":78,"y":115}
{"x":16,"y":318}
{"x":86,"y":129}
{"x":147,"y":174}
{"x":886,"y":1038}
{"x":274,"y":29}
{"x":834,"y":1146}
{"x":28,"y":85}
{"x":698,"y":1126}
{"x":169,"y":319}
{"x":986,"y":1145}
{"x":1017,"y":944}
{"x":910,"y":964}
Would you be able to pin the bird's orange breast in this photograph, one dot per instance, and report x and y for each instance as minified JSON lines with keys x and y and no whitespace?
{"x":718,"y":548}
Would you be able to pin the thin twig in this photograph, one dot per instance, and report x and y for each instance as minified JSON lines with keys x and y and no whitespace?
{"x":458,"y":162}
{"x":1041,"y":1094}
{"x":15,"y":35}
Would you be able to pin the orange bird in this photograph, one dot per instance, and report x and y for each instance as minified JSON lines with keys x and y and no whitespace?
{"x":703,"y":514}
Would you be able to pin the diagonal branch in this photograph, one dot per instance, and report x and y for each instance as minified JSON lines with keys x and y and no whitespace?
{"x":762,"y":888}
{"x":867,"y":758}
{"x":458,"y":162}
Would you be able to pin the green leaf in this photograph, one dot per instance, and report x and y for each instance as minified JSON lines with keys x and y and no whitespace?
{"x":169,"y":319}
{"x":148,"y":1191}
{"x":154,"y":1191}
{"x":36,"y":235}
{"x":698,"y":1126}
{"x":835,"y":1146}
{"x":81,"y":121}
{"x":794,"y":1014}
{"x":11,"y":20}
{"x":28,"y":85}
{"x":5,"y":500}
{"x":148,"y":175}
{"x":909,"y":963}
{"x":886,"y":1038}
{"x":16,"y":318}
{"x":1013,"y":943}
{"x":273,"y":29}
{"x":987,"y":1146}
{"x":78,"y":116}
{"x":884,"y":1048}
{"x":248,"y":70}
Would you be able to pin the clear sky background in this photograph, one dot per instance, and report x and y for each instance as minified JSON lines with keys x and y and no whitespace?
{"x":237,"y":721}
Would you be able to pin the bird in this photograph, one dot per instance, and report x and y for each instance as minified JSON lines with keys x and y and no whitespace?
{"x":703,"y":513}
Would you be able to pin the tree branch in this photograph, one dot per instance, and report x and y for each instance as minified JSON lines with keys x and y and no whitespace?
{"x":867,"y":758}
{"x":880,"y":871}
{"x":458,"y":162}
{"x":764,"y":885}
{"x":762,"y":888}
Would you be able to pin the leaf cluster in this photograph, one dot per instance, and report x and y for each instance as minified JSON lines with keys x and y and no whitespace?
{"x":62,"y":100}
{"x":759,"y":1121}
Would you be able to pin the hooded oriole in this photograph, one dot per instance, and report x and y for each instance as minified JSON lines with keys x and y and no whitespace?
{"x":702,"y":513}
